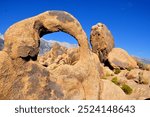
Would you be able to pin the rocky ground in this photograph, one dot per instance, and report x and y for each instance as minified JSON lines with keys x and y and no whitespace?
{"x":101,"y":72}
{"x":123,"y":78}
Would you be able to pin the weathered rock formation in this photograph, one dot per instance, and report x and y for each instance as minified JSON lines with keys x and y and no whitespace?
{"x":101,"y":40}
{"x":140,"y":91}
{"x":133,"y":74}
{"x":136,"y":83}
{"x":22,"y":38}
{"x":23,"y":77}
{"x":148,"y":67}
{"x":59,"y":55}
{"x":110,"y":91}
{"x":119,"y":58}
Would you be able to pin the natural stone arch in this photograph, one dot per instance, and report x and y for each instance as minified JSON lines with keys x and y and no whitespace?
{"x":22,"y":43}
{"x":22,"y":38}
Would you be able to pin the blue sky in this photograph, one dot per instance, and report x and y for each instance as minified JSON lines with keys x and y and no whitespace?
{"x":128,"y":20}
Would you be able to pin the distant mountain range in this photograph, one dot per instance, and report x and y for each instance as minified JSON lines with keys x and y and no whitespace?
{"x":143,"y":60}
{"x":1,"y":41}
{"x":45,"y":45}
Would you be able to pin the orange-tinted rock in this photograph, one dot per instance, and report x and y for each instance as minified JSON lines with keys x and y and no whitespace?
{"x":110,"y":91}
{"x":134,"y":74}
{"x":144,"y":77}
{"x":140,"y":91}
{"x":7,"y":74}
{"x":101,"y":40}
{"x":22,"y":38}
{"x":148,"y":67}
{"x":119,"y":58}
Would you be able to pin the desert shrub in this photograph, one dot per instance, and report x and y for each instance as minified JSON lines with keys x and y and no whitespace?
{"x":115,"y":80}
{"x":108,"y":74}
{"x":129,"y":69}
{"x":127,"y":89}
{"x":117,"y":70}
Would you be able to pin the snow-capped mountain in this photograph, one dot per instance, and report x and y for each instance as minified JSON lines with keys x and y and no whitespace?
{"x":1,"y":41}
{"x":143,"y":60}
{"x":1,"y":36}
{"x":45,"y":45}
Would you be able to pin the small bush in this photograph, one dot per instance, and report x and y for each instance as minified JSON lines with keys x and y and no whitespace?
{"x":129,"y":69}
{"x":127,"y":89}
{"x":115,"y":80}
{"x":117,"y":70}
{"x":107,"y":74}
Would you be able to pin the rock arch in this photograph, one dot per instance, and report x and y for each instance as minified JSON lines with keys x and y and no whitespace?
{"x":22,"y":38}
{"x":30,"y":80}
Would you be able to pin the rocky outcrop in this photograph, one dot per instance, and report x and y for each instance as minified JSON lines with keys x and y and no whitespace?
{"x":111,"y":91}
{"x":23,"y":77}
{"x":139,"y":76}
{"x":140,"y":91}
{"x":7,"y":74}
{"x":144,"y":77}
{"x":148,"y":67}
{"x":101,"y":40}
{"x":133,"y":84}
{"x":24,"y":42}
{"x":133,"y":74}
{"x":59,"y":55}
{"x":119,"y":58}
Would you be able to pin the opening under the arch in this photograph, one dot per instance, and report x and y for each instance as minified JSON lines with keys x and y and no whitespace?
{"x":61,"y":38}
